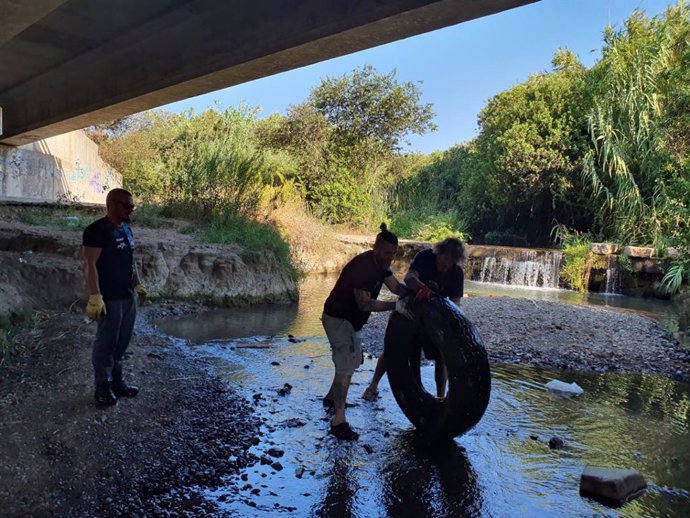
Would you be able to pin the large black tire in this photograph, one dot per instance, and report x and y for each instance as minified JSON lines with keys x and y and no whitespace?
{"x":442,"y":323}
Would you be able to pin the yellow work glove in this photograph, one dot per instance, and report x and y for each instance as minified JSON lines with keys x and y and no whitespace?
{"x":141,"y":293}
{"x":95,"y":309}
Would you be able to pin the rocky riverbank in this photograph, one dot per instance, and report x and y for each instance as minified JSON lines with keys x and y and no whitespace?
{"x":148,"y":456}
{"x":564,"y":336}
{"x":40,"y":268}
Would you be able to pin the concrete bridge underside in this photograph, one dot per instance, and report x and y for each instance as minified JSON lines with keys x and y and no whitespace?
{"x":67,"y":64}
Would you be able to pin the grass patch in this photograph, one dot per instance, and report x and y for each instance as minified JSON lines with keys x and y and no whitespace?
{"x":249,"y":234}
{"x":577,"y":264}
{"x":148,"y":215}
{"x":428,"y":225}
{"x":311,"y":241}
{"x":62,"y":218}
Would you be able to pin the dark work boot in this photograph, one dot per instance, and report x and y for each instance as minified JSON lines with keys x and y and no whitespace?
{"x":121,"y":389}
{"x":104,"y":395}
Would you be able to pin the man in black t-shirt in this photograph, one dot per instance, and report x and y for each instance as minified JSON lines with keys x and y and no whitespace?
{"x":112,"y":282}
{"x":432,"y":272}
{"x":347,"y":309}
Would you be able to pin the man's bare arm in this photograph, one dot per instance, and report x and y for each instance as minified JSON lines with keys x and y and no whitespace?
{"x":396,"y":287}
{"x":90,"y":257}
{"x":366,"y":303}
{"x":412,"y":281}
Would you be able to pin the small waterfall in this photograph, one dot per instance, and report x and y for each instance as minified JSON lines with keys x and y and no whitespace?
{"x":613,"y":276}
{"x":529,"y":268}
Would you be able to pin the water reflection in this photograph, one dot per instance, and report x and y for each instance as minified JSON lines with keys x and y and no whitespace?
{"x":421,"y":480}
{"x":340,"y":491}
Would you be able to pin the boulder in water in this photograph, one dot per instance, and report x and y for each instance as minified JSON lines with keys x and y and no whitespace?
{"x":611,"y":486}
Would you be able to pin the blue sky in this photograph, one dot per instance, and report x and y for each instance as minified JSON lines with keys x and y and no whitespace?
{"x":460,"y":67}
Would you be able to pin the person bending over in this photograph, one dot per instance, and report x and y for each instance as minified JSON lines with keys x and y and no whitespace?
{"x":437,"y":271}
{"x":345,"y":312}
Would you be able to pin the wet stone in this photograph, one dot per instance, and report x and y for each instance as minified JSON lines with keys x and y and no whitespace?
{"x":556,"y":443}
{"x":276,"y":452}
{"x":294,"y":422}
{"x":277,"y":466}
{"x":611,"y":486}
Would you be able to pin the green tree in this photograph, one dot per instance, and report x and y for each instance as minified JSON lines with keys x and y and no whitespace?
{"x":529,"y":151}
{"x":637,"y":166}
{"x":132,"y":147}
{"x":345,"y":140}
{"x":365,"y":107}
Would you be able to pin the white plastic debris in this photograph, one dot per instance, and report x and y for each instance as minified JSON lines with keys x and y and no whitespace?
{"x":564,"y":388}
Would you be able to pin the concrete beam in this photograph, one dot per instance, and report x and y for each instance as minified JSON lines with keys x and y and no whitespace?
{"x":204,"y":45}
{"x":17,"y":15}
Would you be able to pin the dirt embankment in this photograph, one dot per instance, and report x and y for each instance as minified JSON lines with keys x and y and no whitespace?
{"x":40,"y":268}
{"x":564,"y":337}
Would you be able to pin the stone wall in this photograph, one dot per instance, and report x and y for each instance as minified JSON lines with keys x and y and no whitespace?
{"x":57,"y":169}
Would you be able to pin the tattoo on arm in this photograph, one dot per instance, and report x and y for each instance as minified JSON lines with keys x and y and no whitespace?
{"x":366,"y":303}
{"x":90,"y":257}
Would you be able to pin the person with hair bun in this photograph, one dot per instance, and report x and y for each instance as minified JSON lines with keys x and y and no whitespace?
{"x":434,"y":271}
{"x":345,"y":312}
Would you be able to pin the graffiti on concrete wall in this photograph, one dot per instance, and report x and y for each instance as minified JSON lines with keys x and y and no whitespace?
{"x":29,"y":175}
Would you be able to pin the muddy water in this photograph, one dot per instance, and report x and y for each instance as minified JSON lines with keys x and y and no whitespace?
{"x":503,"y":467}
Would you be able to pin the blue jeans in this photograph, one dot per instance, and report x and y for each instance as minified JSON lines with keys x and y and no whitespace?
{"x":112,"y":338}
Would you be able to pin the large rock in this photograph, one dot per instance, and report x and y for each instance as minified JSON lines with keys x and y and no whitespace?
{"x":672,"y":253}
{"x":215,"y":274}
{"x":639,"y":251}
{"x":605,"y":248}
{"x":611,"y":486}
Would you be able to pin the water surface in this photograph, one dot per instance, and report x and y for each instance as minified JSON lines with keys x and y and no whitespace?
{"x":503,"y":467}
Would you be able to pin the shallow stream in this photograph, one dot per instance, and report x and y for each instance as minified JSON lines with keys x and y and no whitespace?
{"x":503,"y":467}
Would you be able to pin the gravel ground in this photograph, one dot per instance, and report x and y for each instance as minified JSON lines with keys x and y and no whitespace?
{"x":148,"y":456}
{"x":564,"y":336}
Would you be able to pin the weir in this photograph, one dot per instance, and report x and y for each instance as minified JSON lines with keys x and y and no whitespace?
{"x":533,"y":268}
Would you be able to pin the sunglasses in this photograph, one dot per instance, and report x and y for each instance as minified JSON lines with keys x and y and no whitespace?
{"x":127,"y":205}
